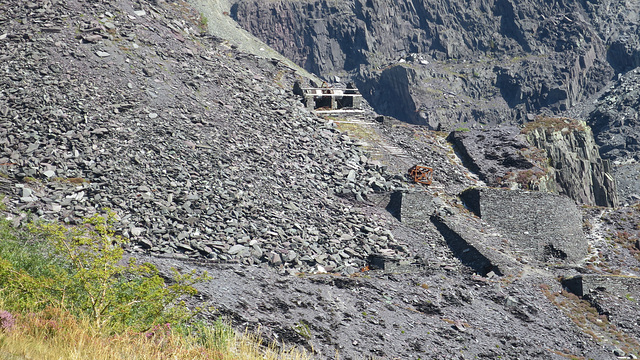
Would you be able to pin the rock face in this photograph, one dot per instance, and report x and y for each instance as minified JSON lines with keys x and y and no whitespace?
{"x":547,"y":228}
{"x":578,"y":169}
{"x":502,"y":157}
{"x":615,"y":118}
{"x":512,"y":57}
{"x":552,"y":155}
{"x":627,"y":177}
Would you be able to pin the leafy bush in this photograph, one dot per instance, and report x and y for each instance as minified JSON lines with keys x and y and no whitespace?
{"x":65,"y":292}
{"x":81,"y":269}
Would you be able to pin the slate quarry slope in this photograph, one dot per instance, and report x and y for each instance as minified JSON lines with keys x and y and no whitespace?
{"x":195,"y":145}
{"x":208,"y":160}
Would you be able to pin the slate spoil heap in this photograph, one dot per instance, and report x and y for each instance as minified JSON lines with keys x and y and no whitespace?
{"x":212,"y":164}
{"x":198,"y":147}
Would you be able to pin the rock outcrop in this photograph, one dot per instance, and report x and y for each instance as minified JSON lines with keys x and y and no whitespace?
{"x":552,"y":155}
{"x":615,"y":118}
{"x":575,"y":161}
{"x":502,"y":157}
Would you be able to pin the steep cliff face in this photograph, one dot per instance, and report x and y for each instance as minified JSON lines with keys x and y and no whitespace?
{"x":393,"y":91}
{"x":575,"y":161}
{"x":312,"y":31}
{"x":507,"y":58}
{"x":615,"y":119}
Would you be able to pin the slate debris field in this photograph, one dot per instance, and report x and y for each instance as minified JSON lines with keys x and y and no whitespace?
{"x":211,"y":163}
{"x":201,"y":148}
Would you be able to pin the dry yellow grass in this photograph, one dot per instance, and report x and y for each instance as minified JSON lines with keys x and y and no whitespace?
{"x":54,"y":335}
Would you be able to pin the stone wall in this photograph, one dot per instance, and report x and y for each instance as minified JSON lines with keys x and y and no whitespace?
{"x":470,"y":247}
{"x":545,"y":226}
{"x":412,"y":208}
{"x":623,"y":286}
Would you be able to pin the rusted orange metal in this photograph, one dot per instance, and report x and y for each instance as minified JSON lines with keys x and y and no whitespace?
{"x":421,"y":174}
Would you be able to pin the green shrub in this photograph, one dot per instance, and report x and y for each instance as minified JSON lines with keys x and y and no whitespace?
{"x":81,"y":269}
{"x":204,"y":23}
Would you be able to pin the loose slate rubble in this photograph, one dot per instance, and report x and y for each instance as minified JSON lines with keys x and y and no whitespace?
{"x":614,"y":296}
{"x":200,"y":149}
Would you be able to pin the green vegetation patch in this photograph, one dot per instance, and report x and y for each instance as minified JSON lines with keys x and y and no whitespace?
{"x":553,"y":124}
{"x":81,"y":269}
{"x":67,"y":292}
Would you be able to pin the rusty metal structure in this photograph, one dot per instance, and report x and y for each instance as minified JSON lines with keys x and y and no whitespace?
{"x":421,"y":174}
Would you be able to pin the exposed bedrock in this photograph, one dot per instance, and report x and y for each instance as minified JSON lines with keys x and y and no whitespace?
{"x":488,"y":61}
{"x":551,"y":155}
{"x":579,"y":171}
{"x":502,"y":157}
{"x":615,"y":120}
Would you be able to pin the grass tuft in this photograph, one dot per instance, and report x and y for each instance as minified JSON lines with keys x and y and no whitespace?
{"x":551,"y":124}
{"x":55,"y":334}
